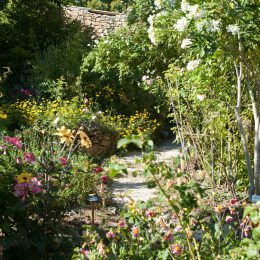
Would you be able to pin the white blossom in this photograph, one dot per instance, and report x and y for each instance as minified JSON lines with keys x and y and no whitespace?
{"x":193,"y":11}
{"x":151,"y":34}
{"x":181,"y":24}
{"x":144,"y":78}
{"x":200,"y":25}
{"x":93,"y":117}
{"x":56,"y":120}
{"x":158,"y":3}
{"x":186,"y":43}
{"x":233,"y":28}
{"x":150,"y":19}
{"x":185,"y":6}
{"x":213,"y":26}
{"x":201,"y":97}
{"x":192,"y":65}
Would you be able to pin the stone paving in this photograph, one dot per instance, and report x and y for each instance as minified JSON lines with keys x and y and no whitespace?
{"x":128,"y":186}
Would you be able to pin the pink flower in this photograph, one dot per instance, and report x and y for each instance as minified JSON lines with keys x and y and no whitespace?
{"x":122,"y":223}
{"x":178,"y":228}
{"x":232,"y":211}
{"x":110,"y":235}
{"x":21,"y":190}
{"x":229,"y":219}
{"x":104,"y":179}
{"x":29,"y":157}
{"x":84,"y":252}
{"x":14,"y":141}
{"x":26,"y":92}
{"x":149,"y":82}
{"x":149,"y":214}
{"x":3,"y":148}
{"x":168,"y":236}
{"x":63,"y":161}
{"x":144,"y":78}
{"x":35,"y":185}
{"x":246,"y":231}
{"x":176,"y":249}
{"x":98,"y":169}
{"x":135,"y":232}
{"x":18,"y":161}
{"x":233,"y":201}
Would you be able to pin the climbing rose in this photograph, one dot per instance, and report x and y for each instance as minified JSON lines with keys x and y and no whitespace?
{"x":233,"y":28}
{"x":186,"y":43}
{"x":192,"y":65}
{"x":181,"y":24}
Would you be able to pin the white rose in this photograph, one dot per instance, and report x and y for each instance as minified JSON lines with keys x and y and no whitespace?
{"x":186,"y":43}
{"x":193,"y":65}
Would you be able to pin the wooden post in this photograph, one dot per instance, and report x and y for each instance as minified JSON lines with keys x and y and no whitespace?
{"x":92,"y":213}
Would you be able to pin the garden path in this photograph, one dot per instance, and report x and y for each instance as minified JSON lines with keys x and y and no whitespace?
{"x":128,"y":186}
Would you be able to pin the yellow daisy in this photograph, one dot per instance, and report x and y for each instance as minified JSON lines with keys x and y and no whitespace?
{"x":24,"y":177}
{"x":65,"y":135}
{"x":84,"y":140}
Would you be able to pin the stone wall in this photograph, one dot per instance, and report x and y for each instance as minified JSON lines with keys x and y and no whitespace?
{"x":102,"y":22}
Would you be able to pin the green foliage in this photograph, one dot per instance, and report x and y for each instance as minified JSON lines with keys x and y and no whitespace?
{"x":32,"y":207}
{"x":119,"y":61}
{"x":60,"y":61}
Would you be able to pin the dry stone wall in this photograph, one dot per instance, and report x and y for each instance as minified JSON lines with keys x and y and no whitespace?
{"x":102,"y":22}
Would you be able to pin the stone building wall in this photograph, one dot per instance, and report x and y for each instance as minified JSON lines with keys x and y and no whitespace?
{"x":102,"y":22}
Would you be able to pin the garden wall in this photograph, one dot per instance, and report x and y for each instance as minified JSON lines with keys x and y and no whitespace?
{"x":102,"y":22}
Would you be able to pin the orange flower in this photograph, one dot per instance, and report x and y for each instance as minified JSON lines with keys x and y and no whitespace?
{"x":84,"y":140}
{"x":65,"y":135}
{"x":218,"y":209}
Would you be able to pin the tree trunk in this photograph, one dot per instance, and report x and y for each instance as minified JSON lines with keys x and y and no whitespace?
{"x":257,"y":157}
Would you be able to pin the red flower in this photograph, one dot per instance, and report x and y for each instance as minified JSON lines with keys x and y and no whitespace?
{"x":149,"y":214}
{"x":98,"y":169}
{"x":233,"y":201}
{"x":14,"y":141}
{"x":63,"y":161}
{"x":104,"y":179}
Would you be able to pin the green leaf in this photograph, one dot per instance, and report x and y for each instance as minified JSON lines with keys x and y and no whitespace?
{"x":252,"y":251}
{"x":138,"y":141}
{"x":123,"y":142}
{"x":256,"y":233}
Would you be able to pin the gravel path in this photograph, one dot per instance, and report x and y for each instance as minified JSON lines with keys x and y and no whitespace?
{"x":127,"y":186}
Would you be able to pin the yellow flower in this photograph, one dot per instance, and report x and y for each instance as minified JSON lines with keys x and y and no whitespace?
{"x":84,"y":140}
{"x":65,"y":135}
{"x":24,"y":177}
